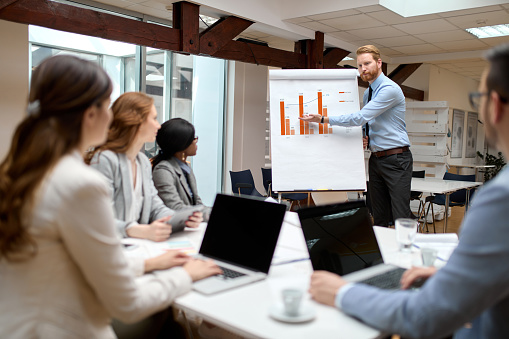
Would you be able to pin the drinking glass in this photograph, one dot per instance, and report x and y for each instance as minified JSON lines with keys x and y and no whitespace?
{"x":406,"y":229}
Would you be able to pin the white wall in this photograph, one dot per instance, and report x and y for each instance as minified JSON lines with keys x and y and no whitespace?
{"x":445,"y":85}
{"x":13,"y":80}
{"x":250,"y":103}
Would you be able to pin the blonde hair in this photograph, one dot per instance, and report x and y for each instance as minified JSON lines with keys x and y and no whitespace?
{"x":369,"y":49}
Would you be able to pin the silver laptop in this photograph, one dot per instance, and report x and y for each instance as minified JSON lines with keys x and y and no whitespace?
{"x":241,"y":237}
{"x":340,"y":239}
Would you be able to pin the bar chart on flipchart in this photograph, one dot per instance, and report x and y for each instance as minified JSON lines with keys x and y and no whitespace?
{"x":300,"y":149}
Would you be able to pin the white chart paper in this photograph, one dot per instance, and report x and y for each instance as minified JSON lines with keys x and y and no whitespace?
{"x":312,"y":156}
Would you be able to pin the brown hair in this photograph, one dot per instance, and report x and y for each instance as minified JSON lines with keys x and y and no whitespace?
{"x":130,"y":110}
{"x":369,"y":49}
{"x":62,"y":89}
{"x":497,"y":79}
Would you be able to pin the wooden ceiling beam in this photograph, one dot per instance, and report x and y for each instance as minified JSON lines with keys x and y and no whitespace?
{"x":260,"y":55}
{"x":332,"y":56}
{"x":221,"y":33}
{"x":409,"y":92}
{"x":402,"y":72}
{"x":74,"y":19}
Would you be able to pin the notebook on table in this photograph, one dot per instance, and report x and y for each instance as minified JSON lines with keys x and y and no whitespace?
{"x":340,"y":239}
{"x":241,"y":237}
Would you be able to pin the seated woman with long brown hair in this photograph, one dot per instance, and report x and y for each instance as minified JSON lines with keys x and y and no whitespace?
{"x":139,"y":211}
{"x":63,"y":272}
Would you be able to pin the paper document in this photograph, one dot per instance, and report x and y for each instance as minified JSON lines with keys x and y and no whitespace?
{"x":181,"y":244}
{"x":443,"y":243}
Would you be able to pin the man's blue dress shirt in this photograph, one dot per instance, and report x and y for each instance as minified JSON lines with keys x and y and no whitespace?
{"x":385,"y":114}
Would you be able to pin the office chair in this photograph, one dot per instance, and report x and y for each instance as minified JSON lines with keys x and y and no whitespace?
{"x":243,"y":183}
{"x":458,"y":198}
{"x":416,"y":195}
{"x":267,"y":183}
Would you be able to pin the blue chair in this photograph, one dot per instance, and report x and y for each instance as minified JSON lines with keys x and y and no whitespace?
{"x":243,"y":183}
{"x":458,"y":198}
{"x":267,"y":184}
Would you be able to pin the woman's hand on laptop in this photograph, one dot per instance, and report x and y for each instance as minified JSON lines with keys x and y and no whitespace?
{"x":166,"y":260}
{"x":324,"y":286}
{"x":199,"y":269}
{"x":158,"y":230}
{"x":415,"y":274}
{"x":194,"y":220}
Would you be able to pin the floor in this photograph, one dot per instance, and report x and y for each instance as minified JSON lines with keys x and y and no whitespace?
{"x":453,"y":223}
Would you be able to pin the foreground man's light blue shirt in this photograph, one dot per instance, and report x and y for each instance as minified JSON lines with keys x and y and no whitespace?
{"x":472,"y":288}
{"x":385,"y":114}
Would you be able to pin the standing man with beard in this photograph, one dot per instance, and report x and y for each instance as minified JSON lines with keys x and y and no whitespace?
{"x":383,"y":114}
{"x":470,"y":294}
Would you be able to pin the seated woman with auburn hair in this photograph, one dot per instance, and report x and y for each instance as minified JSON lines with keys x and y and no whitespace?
{"x":63,"y":271}
{"x":139,"y":211}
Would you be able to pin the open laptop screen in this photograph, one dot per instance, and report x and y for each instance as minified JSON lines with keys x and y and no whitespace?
{"x":340,"y":237}
{"x":243,"y":231}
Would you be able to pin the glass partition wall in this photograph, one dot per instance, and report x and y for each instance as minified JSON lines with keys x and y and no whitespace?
{"x":185,"y":86}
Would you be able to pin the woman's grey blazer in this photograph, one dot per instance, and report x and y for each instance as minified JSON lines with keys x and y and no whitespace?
{"x":115,"y":167}
{"x":172,"y":187}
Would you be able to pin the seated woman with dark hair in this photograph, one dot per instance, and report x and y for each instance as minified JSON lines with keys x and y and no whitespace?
{"x":173,"y":177}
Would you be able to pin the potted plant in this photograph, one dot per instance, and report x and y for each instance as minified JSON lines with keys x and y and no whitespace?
{"x":497,"y":162}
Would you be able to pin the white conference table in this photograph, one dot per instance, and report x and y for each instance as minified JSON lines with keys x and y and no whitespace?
{"x":446,"y":187}
{"x":245,"y":310}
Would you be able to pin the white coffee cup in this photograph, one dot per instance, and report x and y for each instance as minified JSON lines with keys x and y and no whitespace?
{"x":292,"y":298}
{"x":429,"y":255}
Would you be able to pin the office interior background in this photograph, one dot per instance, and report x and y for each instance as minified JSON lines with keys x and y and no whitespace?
{"x":227,"y":101}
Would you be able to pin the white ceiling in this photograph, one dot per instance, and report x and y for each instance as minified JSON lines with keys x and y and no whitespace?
{"x":437,"y":38}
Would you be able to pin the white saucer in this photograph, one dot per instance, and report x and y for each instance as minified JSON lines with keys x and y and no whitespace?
{"x":306,"y":314}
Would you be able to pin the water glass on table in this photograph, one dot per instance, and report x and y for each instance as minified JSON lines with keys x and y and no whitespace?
{"x":406,"y":229}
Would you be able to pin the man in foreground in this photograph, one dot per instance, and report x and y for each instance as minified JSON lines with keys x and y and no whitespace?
{"x":470,"y":294}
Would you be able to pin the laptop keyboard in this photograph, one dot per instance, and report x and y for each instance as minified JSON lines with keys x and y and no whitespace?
{"x":229,"y":274}
{"x":388,"y":280}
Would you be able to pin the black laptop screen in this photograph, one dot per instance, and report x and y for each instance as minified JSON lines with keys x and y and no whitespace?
{"x":340,"y":237}
{"x":243,"y":231}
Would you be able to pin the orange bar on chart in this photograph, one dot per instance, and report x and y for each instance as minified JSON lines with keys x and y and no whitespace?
{"x":301,"y":112}
{"x":292,"y":131}
{"x":282,"y":113}
{"x":287,"y":126}
{"x":320,"y":126}
{"x":311,"y":131}
{"x":306,"y":128}
{"x":325,"y":129}
{"x":330,"y":130}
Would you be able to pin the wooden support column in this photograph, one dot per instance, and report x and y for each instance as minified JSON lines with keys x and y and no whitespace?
{"x":186,"y":17}
{"x":316,"y":53}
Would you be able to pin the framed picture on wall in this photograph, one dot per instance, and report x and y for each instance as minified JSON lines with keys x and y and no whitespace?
{"x":458,"y":123}
{"x":471,"y":133}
